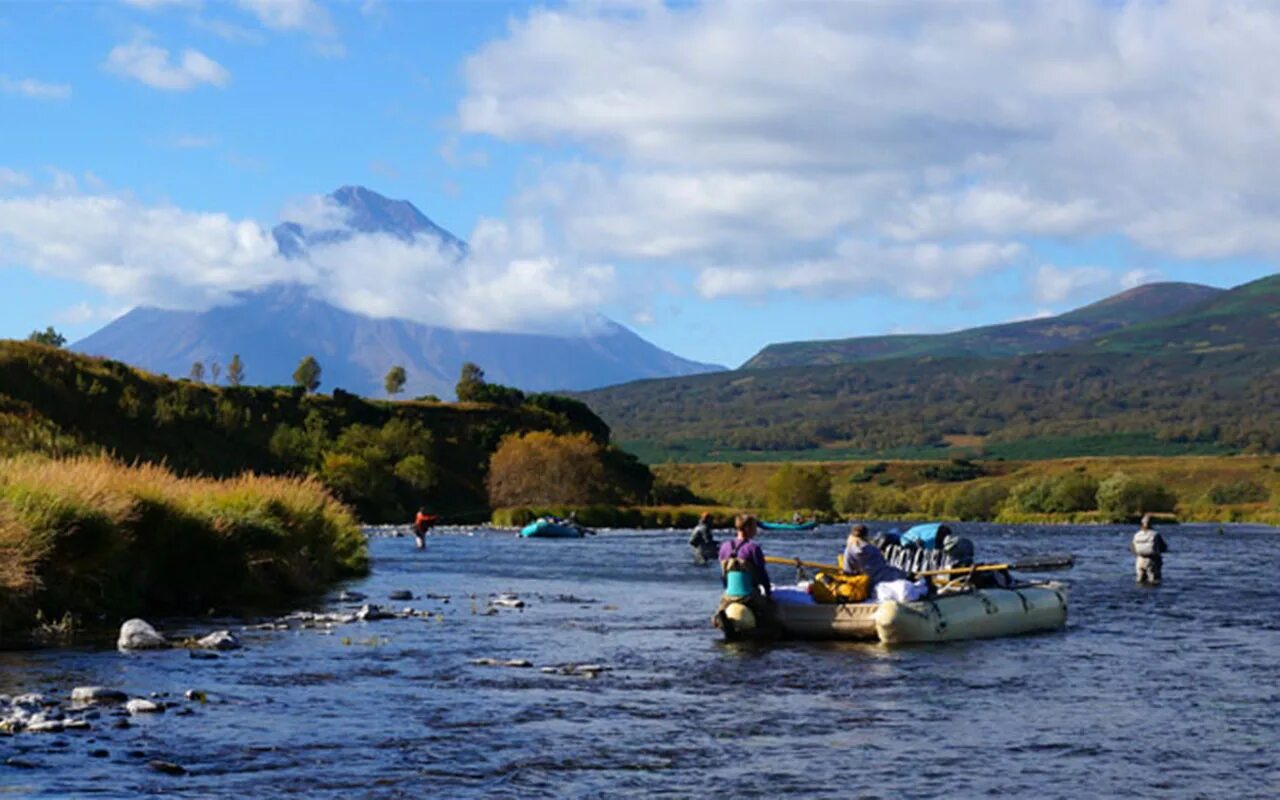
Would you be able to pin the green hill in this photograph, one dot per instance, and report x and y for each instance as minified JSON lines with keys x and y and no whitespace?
{"x":1246,"y":317}
{"x":1144,"y":304}
{"x":385,"y":458}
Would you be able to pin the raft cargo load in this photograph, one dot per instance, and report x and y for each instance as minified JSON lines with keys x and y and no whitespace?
{"x":977,"y":613}
{"x":545,"y":529}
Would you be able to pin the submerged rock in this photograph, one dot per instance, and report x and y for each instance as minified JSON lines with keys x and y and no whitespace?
{"x":137,"y":634}
{"x":351,"y":597}
{"x":400,"y":594}
{"x":203,"y":655}
{"x":219,"y":640}
{"x":91,"y":695}
{"x":167,"y":767}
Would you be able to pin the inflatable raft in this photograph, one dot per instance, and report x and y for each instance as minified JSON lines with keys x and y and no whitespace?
{"x":543,"y":529}
{"x":973,"y":614}
{"x":787,"y":526}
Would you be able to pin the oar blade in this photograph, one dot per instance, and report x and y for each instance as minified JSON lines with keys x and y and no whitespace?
{"x":1045,"y":563}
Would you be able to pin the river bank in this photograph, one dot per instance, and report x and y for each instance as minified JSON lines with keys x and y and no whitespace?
{"x":90,"y":540}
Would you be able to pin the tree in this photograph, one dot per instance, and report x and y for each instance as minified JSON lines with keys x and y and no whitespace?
{"x":541,"y":468}
{"x":396,"y":378}
{"x":307,"y":375}
{"x":197,"y":372}
{"x":470,"y":383}
{"x":215,"y":372}
{"x":235,"y":371}
{"x":792,"y":487}
{"x":48,"y":336}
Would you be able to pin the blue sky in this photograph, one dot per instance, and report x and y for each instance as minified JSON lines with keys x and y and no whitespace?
{"x":716,"y":176}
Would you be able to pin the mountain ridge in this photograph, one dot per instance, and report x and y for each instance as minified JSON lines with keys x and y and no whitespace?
{"x":1046,"y":334}
{"x":273,"y":328}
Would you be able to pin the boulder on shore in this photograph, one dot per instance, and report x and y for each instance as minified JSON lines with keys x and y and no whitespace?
{"x":137,"y":634}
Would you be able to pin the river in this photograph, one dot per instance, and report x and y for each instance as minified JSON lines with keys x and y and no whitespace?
{"x":1168,"y":692}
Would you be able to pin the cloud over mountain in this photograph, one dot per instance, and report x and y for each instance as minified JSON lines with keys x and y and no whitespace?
{"x":507,"y":278}
{"x":832,"y":146}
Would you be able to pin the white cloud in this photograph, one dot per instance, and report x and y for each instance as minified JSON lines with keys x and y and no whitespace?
{"x":1054,"y":285}
{"x":11,"y":177}
{"x":151,"y":65}
{"x":34,"y":89}
{"x":156,"y":5}
{"x":304,"y":16}
{"x":140,"y":254}
{"x":766,"y":134}
{"x":189,"y":141}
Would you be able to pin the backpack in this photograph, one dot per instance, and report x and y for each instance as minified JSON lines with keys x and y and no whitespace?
{"x":738,"y":573}
{"x":1144,"y":544}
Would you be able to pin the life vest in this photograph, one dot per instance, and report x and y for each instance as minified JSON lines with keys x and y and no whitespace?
{"x":739,"y":574}
{"x":423,"y":521}
{"x":1144,"y":544}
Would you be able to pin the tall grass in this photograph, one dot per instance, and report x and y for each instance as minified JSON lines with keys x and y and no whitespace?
{"x":98,"y":539}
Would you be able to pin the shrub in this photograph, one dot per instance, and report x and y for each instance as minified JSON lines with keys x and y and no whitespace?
{"x":977,"y":502}
{"x":855,"y":500}
{"x":1225,"y":494}
{"x":543,"y":468}
{"x":1122,"y":497}
{"x":796,"y":487}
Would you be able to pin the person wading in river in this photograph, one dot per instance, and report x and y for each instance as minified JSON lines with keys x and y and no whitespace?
{"x":702,"y":541}
{"x":421,"y":524}
{"x":1148,"y":548}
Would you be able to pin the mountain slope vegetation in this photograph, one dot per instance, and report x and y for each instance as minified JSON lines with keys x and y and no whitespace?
{"x":1204,"y":380}
{"x":1136,"y":306}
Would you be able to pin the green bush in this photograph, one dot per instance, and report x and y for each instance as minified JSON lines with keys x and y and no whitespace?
{"x":1122,"y":497}
{"x":977,"y":502}
{"x":794,"y":487}
{"x":1226,"y":494}
{"x":855,"y":499}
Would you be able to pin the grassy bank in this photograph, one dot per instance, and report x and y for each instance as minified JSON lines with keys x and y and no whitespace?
{"x":1194,"y":488}
{"x":92,"y":538}
{"x":383,"y":458}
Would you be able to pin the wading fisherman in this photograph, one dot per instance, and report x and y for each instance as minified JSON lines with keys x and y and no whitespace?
{"x":1148,"y":548}
{"x":702,"y":541}
{"x":421,"y":524}
{"x":745,"y":579}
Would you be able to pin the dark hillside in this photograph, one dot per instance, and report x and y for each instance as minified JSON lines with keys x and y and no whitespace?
{"x":1142,"y":304}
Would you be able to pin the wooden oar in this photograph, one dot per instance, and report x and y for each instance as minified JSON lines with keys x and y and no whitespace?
{"x":1044,"y":564}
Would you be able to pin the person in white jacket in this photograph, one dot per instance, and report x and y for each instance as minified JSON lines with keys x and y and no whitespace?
{"x":1148,"y":548}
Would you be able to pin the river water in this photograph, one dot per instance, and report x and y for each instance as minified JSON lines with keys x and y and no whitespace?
{"x":1168,"y":692}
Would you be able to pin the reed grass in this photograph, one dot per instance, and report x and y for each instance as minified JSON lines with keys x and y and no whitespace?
{"x":103,"y":540}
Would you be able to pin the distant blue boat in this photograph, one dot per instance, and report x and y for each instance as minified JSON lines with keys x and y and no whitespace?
{"x":788,"y":526}
{"x":551,"y":530}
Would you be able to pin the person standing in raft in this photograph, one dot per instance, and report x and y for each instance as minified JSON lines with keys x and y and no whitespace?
{"x":702,"y":541}
{"x":745,"y":579}
{"x":1148,"y":548}
{"x":421,"y":524}
{"x":861,"y":557}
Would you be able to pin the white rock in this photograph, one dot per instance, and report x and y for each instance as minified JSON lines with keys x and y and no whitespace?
{"x":219,"y":640}
{"x":137,"y":634}
{"x":371,"y":612}
{"x":140,"y":706}
{"x":87,"y":695}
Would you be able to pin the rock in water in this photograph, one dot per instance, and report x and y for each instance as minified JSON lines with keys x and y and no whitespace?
{"x":137,"y":634}
{"x":401,"y":594}
{"x":167,"y":767}
{"x":140,"y":706}
{"x":220,"y":640}
{"x":89,"y":695}
{"x":371,"y":612}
